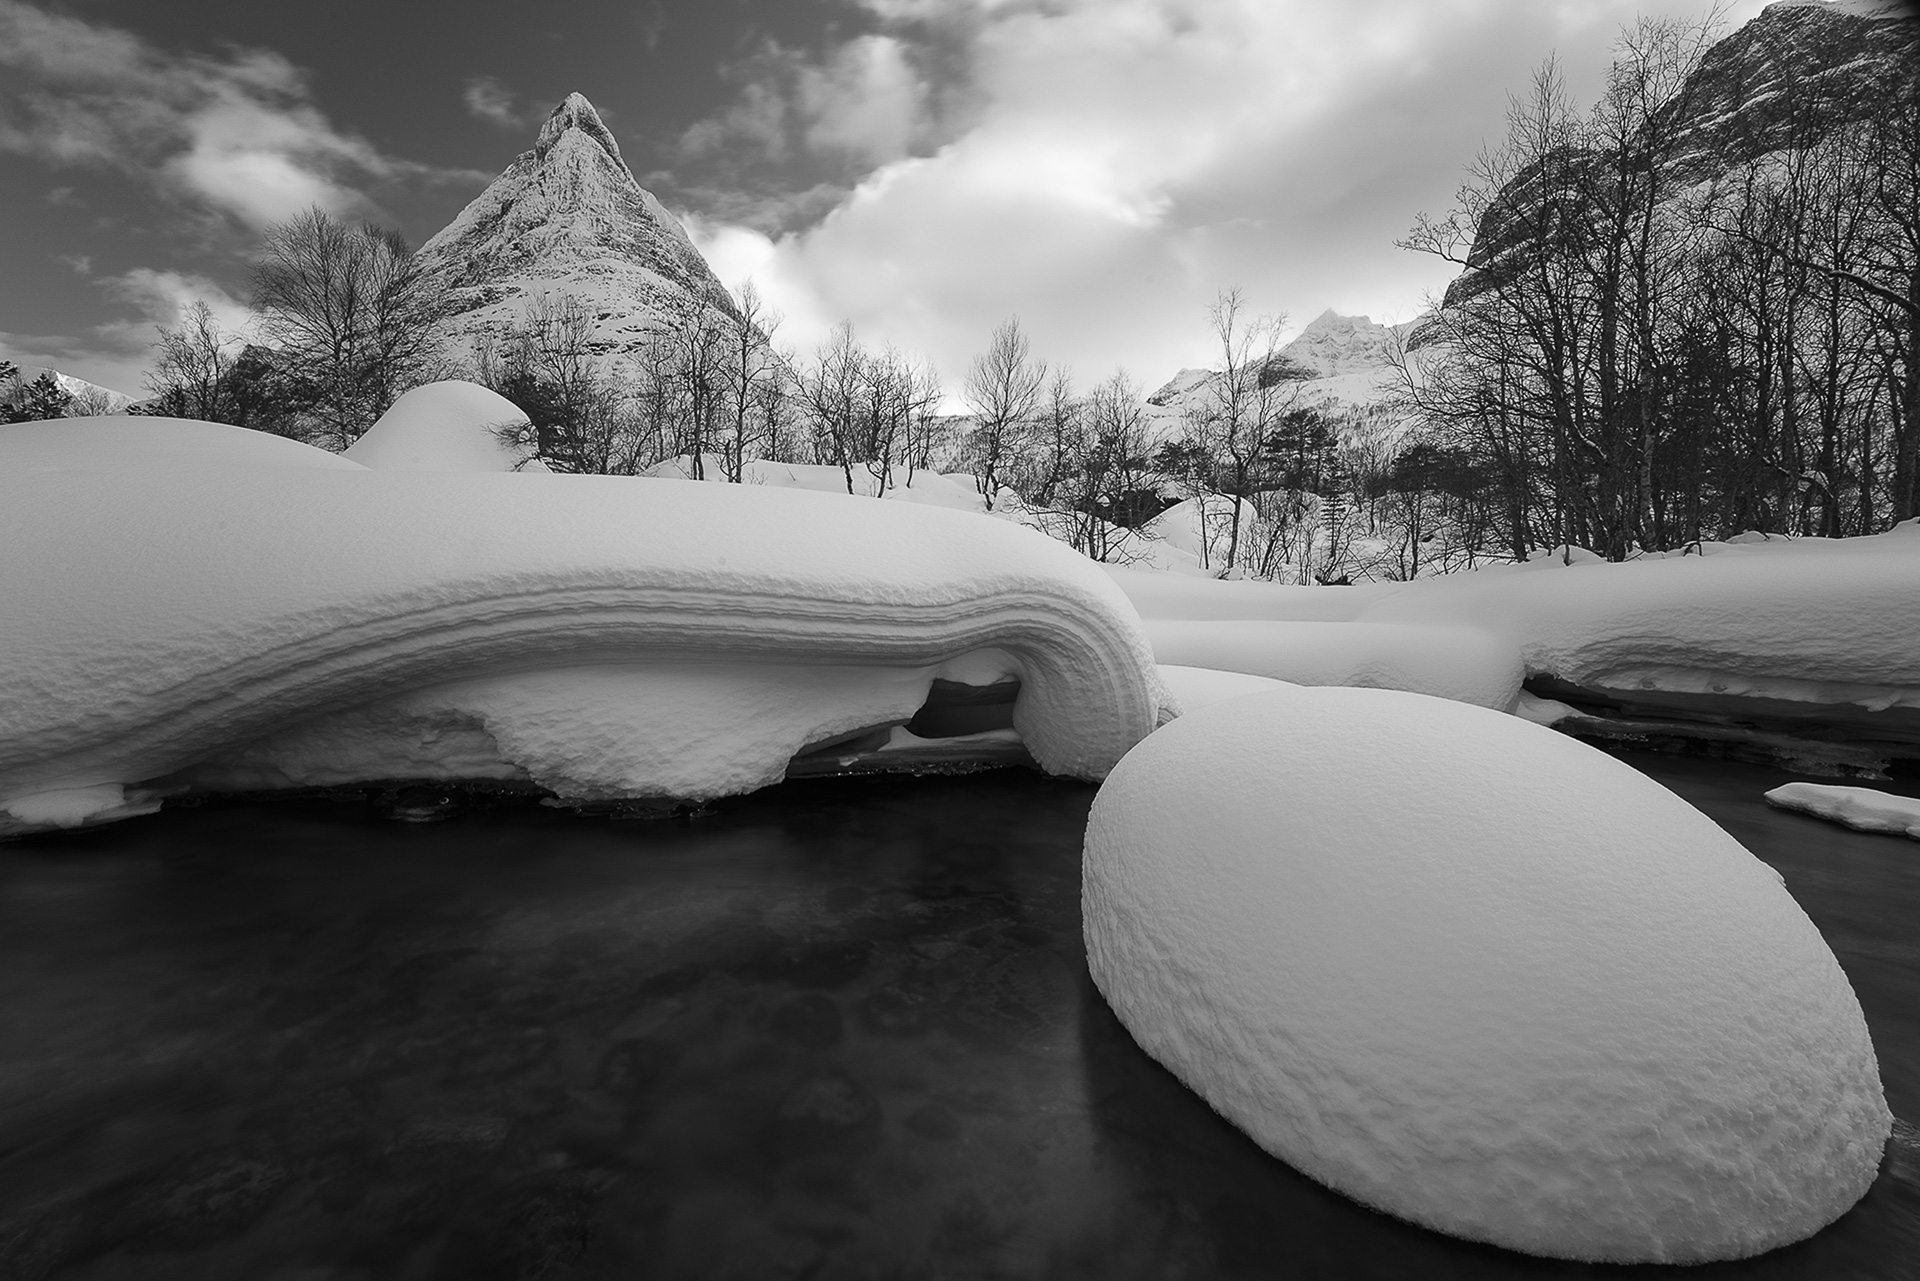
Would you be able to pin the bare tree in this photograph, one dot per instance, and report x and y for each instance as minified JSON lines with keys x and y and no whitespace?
{"x":752,"y":374}
{"x":192,"y":368}
{"x":830,"y":396}
{"x":579,"y":419}
{"x":1002,"y":387}
{"x":352,"y":313}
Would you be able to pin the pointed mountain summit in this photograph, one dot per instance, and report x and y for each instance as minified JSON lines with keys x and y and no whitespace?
{"x":568,"y":219}
{"x":1333,"y":344}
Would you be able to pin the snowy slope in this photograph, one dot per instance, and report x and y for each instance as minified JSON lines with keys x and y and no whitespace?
{"x":568,"y":219}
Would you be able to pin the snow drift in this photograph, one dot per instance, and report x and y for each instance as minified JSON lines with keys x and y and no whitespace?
{"x":162,"y":617}
{"x":1481,"y":976}
{"x":1808,"y":631}
{"x":1462,"y":663}
{"x":443,"y":426}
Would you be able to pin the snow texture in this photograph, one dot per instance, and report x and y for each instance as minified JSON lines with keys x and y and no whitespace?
{"x":1196,"y":687}
{"x":1447,"y":661}
{"x":444,"y":426}
{"x":1478,"y":975}
{"x":162,"y":617}
{"x":1861,"y":808}
{"x":1808,"y":620}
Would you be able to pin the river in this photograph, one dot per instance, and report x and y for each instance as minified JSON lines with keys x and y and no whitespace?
{"x":842,"y":1028}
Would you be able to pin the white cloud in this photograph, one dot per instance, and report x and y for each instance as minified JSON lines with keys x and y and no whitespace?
{"x":234,"y":134}
{"x":117,"y":354}
{"x":163,"y":298}
{"x":487,"y":99}
{"x":867,"y":101}
{"x":1122,"y":160}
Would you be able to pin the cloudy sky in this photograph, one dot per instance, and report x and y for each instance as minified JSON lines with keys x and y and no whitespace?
{"x":924,"y":168}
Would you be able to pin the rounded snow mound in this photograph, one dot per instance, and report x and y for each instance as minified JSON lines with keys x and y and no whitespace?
{"x":444,"y":426}
{"x":138,"y":443}
{"x":1478,"y":975}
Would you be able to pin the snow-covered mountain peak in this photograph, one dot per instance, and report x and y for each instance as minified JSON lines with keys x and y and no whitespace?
{"x":575,"y":112}
{"x":1333,"y":344}
{"x":1873,"y":10}
{"x":567,"y":221}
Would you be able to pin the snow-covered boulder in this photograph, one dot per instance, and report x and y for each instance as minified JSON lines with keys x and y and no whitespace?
{"x":1865,"y":809}
{"x":443,"y":426}
{"x":1480,"y":976}
{"x":1447,"y":661}
{"x":161,"y":619}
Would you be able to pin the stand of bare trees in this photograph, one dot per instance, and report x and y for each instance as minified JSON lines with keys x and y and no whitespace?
{"x":1638,"y":358}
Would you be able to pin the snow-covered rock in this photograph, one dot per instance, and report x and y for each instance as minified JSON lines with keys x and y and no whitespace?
{"x":162,"y":617}
{"x":443,"y":426}
{"x":568,"y":220}
{"x":1864,"y":809}
{"x":1446,"y":660}
{"x":1478,"y":975}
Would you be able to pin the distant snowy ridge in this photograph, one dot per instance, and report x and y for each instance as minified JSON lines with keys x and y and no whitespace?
{"x":1336,"y":364}
{"x":568,"y":220}
{"x":93,"y":395}
{"x":160,"y":617}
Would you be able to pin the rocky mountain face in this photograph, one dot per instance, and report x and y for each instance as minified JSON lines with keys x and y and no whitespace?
{"x":1794,"y":74}
{"x":568,"y":220}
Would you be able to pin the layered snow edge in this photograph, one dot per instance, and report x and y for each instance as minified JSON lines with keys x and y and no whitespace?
{"x":165,"y":617}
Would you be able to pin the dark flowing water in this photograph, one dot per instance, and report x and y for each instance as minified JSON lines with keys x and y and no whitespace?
{"x":839,"y":1029}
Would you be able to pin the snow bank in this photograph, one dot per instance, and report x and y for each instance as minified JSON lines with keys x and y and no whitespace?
{"x":160,"y":619}
{"x":1822,"y":623}
{"x":137,"y":443}
{"x":916,"y":486}
{"x":1196,"y":687}
{"x":1481,"y":976}
{"x":1861,"y":808}
{"x":1463,"y":663}
{"x":444,"y":426}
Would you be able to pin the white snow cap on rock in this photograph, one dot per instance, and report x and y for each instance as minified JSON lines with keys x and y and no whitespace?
{"x":443,"y":426}
{"x":1864,"y":809}
{"x":1478,"y":975}
{"x":160,"y":618}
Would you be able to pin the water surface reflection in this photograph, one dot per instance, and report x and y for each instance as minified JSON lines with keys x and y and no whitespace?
{"x":837,"y":1029}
